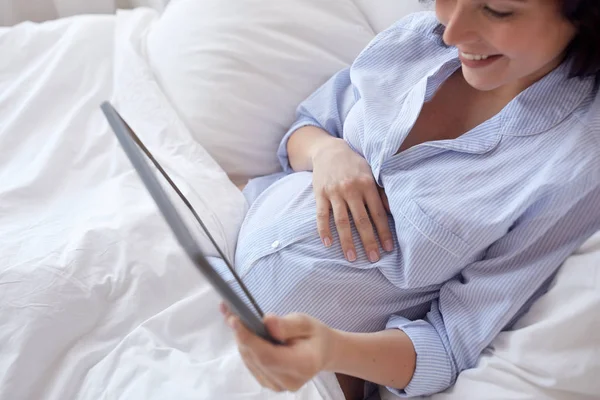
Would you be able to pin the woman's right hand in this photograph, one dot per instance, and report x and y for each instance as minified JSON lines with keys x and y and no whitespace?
{"x":343,"y":184}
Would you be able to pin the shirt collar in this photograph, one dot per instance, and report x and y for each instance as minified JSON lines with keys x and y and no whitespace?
{"x":545,"y":103}
{"x":537,"y":109}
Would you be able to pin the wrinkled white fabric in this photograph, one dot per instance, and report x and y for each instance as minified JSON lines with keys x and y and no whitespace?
{"x":97,"y":300}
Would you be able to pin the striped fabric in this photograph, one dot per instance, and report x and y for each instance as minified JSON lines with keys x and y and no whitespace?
{"x":481,"y":222}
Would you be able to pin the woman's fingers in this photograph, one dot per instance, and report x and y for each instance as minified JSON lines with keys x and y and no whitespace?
{"x":224,"y":309}
{"x":365,"y":228}
{"x":377,"y":210}
{"x":287,"y":367}
{"x":342,"y":223}
{"x":261,"y":376}
{"x":323,"y":214}
{"x":247,"y":346}
{"x":366,"y":207}
{"x":360,"y":200}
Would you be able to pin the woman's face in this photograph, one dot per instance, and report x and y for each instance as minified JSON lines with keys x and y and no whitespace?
{"x":505,"y":42}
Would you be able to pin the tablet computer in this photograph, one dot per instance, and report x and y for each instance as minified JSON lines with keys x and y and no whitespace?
{"x":135,"y":150}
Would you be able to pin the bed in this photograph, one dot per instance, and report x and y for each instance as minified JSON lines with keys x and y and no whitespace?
{"x":97,"y":300}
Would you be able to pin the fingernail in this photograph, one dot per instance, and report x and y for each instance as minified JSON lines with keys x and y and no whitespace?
{"x":373,"y":256}
{"x":351,"y":255}
{"x":327,"y":242}
{"x":231,"y":322}
{"x":276,"y":326}
{"x":388,"y":245}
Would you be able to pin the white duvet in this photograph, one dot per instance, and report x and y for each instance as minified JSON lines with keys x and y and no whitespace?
{"x":97,"y":300}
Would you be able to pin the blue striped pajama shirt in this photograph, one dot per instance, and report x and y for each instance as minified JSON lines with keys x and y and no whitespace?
{"x":481,"y":223}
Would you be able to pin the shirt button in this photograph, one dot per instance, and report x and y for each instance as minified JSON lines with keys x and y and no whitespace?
{"x":275,"y":244}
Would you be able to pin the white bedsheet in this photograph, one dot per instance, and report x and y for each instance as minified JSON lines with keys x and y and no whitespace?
{"x":97,"y":301}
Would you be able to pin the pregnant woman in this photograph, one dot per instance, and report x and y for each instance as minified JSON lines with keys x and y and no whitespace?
{"x":431,"y":191}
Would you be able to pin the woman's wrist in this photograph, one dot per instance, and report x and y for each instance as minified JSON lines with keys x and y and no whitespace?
{"x":385,"y":358}
{"x":324,"y":146}
{"x":337,"y":349}
{"x":305,"y":143}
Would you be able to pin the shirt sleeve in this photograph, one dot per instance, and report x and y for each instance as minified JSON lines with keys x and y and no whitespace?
{"x":326,"y":108}
{"x":490,"y":294}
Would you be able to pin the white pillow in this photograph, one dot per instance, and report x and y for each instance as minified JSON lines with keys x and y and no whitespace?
{"x":383,"y":13}
{"x":236,"y":70}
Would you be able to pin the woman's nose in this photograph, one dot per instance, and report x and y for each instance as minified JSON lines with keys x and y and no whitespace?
{"x":461,"y":27}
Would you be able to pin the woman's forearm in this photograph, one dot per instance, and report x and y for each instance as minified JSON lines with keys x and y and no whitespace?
{"x":304,"y":144}
{"x":386,"y":358}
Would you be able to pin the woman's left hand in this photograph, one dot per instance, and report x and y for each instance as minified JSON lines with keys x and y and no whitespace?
{"x":307,"y":348}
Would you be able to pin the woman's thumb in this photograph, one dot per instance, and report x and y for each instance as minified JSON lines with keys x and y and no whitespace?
{"x":292,"y":326}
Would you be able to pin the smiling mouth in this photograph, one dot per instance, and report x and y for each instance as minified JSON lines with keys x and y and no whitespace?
{"x":477,"y":57}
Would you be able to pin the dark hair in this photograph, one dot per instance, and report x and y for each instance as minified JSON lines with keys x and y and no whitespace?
{"x":584,"y":50}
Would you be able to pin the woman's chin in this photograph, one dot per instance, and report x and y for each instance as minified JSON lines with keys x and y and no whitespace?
{"x":479,"y":82}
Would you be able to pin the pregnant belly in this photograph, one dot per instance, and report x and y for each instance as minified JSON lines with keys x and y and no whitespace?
{"x":343,"y":297}
{"x":287,"y":269}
